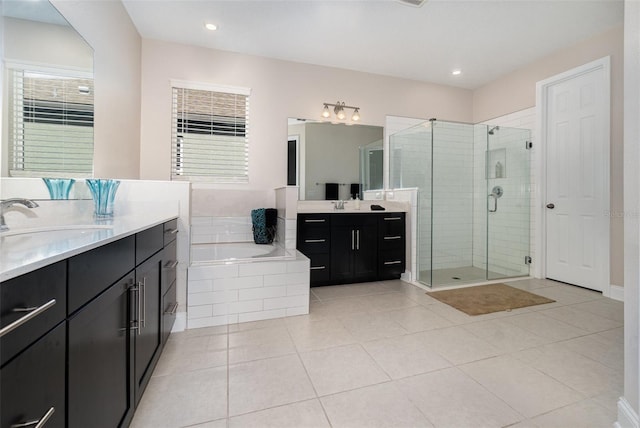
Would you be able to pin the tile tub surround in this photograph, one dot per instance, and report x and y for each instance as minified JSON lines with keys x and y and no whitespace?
{"x":228,"y":293}
{"x":415,"y":362}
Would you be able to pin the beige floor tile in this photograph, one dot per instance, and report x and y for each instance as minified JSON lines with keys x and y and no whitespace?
{"x":417,"y":318}
{"x":261,"y":384}
{"x":606,"y":308}
{"x":341,"y":369}
{"x":584,"y":414}
{"x":387,"y":302}
{"x":595,"y":347}
{"x":312,"y":335}
{"x":525,"y":389}
{"x":583,"y":374}
{"x":562,"y":295}
{"x":352,"y":290}
{"x":374,"y":406}
{"x":187,"y":353}
{"x":220,"y":423}
{"x":531,"y":284}
{"x":405,"y":356}
{"x":449,"y":398}
{"x":336,"y":307}
{"x":582,"y":319}
{"x":253,"y":325}
{"x":458,"y":345}
{"x":308,"y":414}
{"x":505,"y":336}
{"x":547,"y":327}
{"x":183,"y":399}
{"x":371,"y":326}
{"x":251,"y":345}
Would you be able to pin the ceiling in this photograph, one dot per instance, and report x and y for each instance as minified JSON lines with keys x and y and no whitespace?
{"x":484,"y":38}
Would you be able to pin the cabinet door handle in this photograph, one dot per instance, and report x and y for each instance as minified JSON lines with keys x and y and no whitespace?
{"x":353,"y":233}
{"x":392,"y":237}
{"x":314,"y":221}
{"x":392,"y":218}
{"x":37,"y":423}
{"x":395,"y":262}
{"x":33,"y":312}
{"x":315,"y":240}
{"x":173,"y":310}
{"x":357,"y":239}
{"x":171,"y":231}
{"x":142,"y":287}
{"x":171,"y":264}
{"x":135,"y":322}
{"x":317,"y":267}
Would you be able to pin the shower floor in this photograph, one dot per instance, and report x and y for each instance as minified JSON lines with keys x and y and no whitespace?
{"x":456,"y":276}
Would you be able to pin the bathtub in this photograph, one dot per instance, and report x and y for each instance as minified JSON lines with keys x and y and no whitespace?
{"x":238,"y":252}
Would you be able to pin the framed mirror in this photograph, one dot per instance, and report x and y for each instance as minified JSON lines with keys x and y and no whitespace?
{"x":330,"y":161}
{"x":47,"y":102}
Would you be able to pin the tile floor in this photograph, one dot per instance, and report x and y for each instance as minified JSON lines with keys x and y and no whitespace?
{"x":385,"y":354}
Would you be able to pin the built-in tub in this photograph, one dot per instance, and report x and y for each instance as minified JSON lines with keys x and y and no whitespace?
{"x":241,"y":252}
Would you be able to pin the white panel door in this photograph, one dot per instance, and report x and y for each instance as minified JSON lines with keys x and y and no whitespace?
{"x":577,"y":202}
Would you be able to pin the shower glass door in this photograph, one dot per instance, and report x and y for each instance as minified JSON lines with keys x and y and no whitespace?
{"x":507,"y":174}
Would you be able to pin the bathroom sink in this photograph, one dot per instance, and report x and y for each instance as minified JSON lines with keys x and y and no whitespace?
{"x":45,"y":229}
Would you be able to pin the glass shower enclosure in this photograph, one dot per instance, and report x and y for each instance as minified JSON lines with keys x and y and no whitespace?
{"x":474,"y":197}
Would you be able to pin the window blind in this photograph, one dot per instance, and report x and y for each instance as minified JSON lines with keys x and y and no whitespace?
{"x":51,"y":125}
{"x":210,"y":135}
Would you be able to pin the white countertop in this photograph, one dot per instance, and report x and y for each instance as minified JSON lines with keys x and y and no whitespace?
{"x":309,"y":207}
{"x":32,"y":245}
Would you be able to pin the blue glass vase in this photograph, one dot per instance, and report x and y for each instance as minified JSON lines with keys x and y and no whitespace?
{"x":104,"y":193}
{"x":59,"y":188}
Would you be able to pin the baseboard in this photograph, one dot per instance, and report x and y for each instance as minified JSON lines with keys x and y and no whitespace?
{"x":627,"y":417}
{"x":406,"y":276}
{"x":181,"y":322}
{"x":616,"y":292}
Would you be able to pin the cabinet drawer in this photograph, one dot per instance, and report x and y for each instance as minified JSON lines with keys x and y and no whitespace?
{"x":319,"y":268}
{"x":21,"y":297}
{"x":309,"y":220}
{"x":92,"y":272}
{"x":149,"y":242}
{"x":169,"y":308}
{"x":391,"y":224}
{"x":391,"y":263}
{"x":170,"y":230}
{"x":169,"y":266}
{"x":315,"y":241}
{"x":34,"y":383}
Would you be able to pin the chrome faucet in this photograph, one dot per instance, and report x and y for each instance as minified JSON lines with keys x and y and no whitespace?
{"x":339,"y":205}
{"x":11,"y":202}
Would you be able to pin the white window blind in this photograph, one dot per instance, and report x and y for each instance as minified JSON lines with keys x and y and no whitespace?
{"x":210,"y":134}
{"x":51,"y":124}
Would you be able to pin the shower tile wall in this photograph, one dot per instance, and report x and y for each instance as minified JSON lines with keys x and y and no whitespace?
{"x":506,"y":250}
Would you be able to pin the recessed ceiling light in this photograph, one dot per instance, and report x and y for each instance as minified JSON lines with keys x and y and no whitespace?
{"x":456,"y":72}
{"x":212,"y":27}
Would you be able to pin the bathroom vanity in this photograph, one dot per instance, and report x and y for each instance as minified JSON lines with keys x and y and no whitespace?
{"x":97,"y":306}
{"x":353,"y":246}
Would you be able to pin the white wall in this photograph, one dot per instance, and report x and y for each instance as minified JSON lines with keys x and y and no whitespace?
{"x":117,"y":50}
{"x":279,"y":89}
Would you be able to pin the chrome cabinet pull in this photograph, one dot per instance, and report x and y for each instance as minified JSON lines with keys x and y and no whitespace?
{"x":143,"y":301}
{"x":392,"y":237}
{"x":314,"y":220}
{"x":395,"y":262}
{"x":357,"y":239}
{"x":171,"y":231}
{"x":317,"y":267}
{"x":37,"y":423}
{"x":33,"y":312}
{"x":353,"y":232}
{"x":315,"y":240}
{"x":135,"y":323}
{"x":173,"y":310}
{"x":392,"y":218}
{"x":171,"y":264}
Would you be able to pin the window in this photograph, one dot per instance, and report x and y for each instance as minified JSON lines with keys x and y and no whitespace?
{"x":210,"y":133}
{"x":50,"y":125}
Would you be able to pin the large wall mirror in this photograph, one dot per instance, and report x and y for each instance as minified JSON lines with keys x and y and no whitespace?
{"x":47,"y":96}
{"x":331,"y":161}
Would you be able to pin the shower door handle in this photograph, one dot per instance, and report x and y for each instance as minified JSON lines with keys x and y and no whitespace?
{"x":495,"y":203}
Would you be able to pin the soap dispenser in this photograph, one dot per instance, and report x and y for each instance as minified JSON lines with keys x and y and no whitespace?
{"x":499,"y":169}
{"x":357,"y":202}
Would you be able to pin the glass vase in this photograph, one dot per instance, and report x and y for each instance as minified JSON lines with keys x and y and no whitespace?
{"x":103,"y":192}
{"x":59,"y":188}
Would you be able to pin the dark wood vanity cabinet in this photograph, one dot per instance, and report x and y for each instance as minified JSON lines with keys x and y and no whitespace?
{"x":353,"y":247}
{"x":89,"y":360}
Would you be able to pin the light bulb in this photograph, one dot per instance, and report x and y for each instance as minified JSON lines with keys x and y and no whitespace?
{"x":212,"y":27}
{"x":325,"y":111}
{"x":341,"y":114}
{"x":356,"y":116}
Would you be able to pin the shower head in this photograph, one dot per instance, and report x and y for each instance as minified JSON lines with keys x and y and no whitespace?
{"x":495,"y":128}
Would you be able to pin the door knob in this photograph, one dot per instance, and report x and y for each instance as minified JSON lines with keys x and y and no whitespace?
{"x":551,"y":206}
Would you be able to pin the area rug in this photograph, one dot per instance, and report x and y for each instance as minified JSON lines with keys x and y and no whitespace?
{"x":485,"y":299}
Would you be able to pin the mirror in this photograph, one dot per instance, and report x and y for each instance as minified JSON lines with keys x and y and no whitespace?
{"x":331,"y":161}
{"x":47,"y":102}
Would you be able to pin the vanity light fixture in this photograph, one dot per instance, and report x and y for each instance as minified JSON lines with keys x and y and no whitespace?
{"x":338,"y":110}
{"x":209,"y":26}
